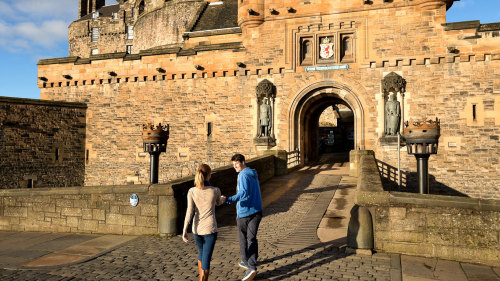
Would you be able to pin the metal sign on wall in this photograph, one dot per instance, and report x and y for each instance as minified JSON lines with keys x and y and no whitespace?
{"x":331,"y":67}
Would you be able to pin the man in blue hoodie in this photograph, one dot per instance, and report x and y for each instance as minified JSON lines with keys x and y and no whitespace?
{"x":249,"y":214}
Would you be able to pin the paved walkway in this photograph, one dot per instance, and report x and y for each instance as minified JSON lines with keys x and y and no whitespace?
{"x":288,"y":246}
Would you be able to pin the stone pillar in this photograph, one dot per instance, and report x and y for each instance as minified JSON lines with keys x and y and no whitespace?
{"x":167,"y":215}
{"x":360,"y":229}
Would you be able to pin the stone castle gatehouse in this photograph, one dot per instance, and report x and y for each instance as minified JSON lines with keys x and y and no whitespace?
{"x":254,"y":75}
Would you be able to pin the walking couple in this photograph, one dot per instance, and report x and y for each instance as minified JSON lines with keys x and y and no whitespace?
{"x":201,"y":204}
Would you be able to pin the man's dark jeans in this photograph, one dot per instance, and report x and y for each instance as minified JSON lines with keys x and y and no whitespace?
{"x":247,"y":232}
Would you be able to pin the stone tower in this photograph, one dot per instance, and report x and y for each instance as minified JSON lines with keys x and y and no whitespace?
{"x":90,"y":6}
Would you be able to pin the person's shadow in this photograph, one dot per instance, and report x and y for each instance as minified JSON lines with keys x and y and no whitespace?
{"x":302,"y":262}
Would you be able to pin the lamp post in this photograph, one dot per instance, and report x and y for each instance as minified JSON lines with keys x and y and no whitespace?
{"x":155,"y":140}
{"x":422,"y":140}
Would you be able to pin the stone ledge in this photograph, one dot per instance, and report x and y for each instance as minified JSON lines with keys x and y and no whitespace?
{"x":461,"y":25}
{"x":205,"y":33}
{"x":489,"y":27}
{"x":42,"y":102}
{"x":57,"y":60}
{"x":156,"y":189}
{"x":431,"y":200}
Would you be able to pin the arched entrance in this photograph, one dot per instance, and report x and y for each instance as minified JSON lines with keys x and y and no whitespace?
{"x":306,"y":109}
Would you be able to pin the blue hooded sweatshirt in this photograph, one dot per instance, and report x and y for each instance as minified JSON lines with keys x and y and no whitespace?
{"x":247,"y":194}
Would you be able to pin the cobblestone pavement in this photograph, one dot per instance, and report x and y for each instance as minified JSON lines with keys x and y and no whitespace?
{"x":288,"y":249}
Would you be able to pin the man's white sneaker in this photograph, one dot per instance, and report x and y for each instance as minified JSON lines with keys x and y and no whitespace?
{"x":249,"y":275}
{"x":243,"y":264}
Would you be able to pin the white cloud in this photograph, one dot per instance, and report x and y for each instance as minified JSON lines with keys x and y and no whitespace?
{"x":60,"y":9}
{"x":463,"y":3}
{"x":33,"y":25}
{"x":26,"y":35}
{"x":5,"y":9}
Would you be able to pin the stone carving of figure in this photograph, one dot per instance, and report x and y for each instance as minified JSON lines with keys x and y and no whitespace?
{"x":392,"y":116}
{"x":265,"y":119}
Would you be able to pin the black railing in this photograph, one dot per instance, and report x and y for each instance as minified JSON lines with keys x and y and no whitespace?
{"x":293,"y":158}
{"x":389,"y":175}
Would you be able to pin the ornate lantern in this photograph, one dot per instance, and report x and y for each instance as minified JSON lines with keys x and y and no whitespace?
{"x":155,"y":140}
{"x":422,"y":140}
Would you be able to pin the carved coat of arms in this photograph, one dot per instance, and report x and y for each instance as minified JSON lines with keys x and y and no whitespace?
{"x":326,"y":50}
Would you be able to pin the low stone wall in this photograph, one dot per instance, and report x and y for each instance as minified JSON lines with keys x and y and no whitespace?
{"x":107,"y":209}
{"x":448,"y":227}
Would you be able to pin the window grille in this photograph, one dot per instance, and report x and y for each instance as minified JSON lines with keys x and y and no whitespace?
{"x":95,"y":34}
{"x":130,"y":32}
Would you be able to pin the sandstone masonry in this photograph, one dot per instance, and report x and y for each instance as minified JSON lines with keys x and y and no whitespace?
{"x":209,"y":75}
{"x":41,"y":143}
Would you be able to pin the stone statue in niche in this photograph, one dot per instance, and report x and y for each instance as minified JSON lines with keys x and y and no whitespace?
{"x":392,"y":116}
{"x":391,"y":85}
{"x":266,"y":94}
{"x":265,"y":119}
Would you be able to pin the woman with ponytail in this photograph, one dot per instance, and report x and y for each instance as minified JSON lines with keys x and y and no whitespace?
{"x":201,"y":205}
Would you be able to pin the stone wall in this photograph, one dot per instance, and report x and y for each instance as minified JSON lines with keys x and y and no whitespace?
{"x":107,"y":209}
{"x":42,"y":143}
{"x":409,"y":38}
{"x":447,"y":227}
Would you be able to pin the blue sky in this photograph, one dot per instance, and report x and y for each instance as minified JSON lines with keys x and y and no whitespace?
{"x":34,"y":29}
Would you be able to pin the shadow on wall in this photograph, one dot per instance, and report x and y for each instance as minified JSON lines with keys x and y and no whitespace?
{"x":409,"y":181}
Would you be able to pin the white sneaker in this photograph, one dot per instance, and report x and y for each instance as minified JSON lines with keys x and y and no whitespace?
{"x":249,"y":275}
{"x":242,"y":264}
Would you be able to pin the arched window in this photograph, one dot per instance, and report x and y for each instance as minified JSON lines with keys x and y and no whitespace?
{"x":141,"y":7}
{"x":347,"y":48}
{"x":306,"y":52}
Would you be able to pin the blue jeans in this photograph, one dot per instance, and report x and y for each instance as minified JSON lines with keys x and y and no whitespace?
{"x":206,"y":244}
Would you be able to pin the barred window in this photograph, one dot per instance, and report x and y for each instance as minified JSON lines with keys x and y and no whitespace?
{"x":129,"y":49}
{"x":95,"y":34}
{"x":130,"y":32}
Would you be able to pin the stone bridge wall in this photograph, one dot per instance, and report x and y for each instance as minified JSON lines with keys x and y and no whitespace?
{"x":107,"y":209}
{"x":448,"y":227}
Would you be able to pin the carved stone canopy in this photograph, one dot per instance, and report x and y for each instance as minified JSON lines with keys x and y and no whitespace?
{"x":393,"y":83}
{"x":266,"y":89}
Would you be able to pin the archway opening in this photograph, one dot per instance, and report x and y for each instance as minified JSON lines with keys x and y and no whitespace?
{"x":336,"y":130}
{"x":306,"y":110}
{"x":320,"y":137}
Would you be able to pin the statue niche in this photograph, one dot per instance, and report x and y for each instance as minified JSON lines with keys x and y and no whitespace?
{"x":266,"y":94}
{"x":391,"y":85}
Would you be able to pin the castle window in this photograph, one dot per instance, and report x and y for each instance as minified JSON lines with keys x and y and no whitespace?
{"x":130,"y":32}
{"x":115,"y":16}
{"x":141,"y":7}
{"x":305,"y":51}
{"x":95,"y":15}
{"x":347,"y":48}
{"x":129,"y":49}
{"x":95,"y":34}
{"x":94,"y":52}
{"x":133,"y":13}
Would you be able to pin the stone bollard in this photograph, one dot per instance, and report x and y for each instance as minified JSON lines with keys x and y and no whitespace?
{"x":360,"y":229}
{"x":167,"y":215}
